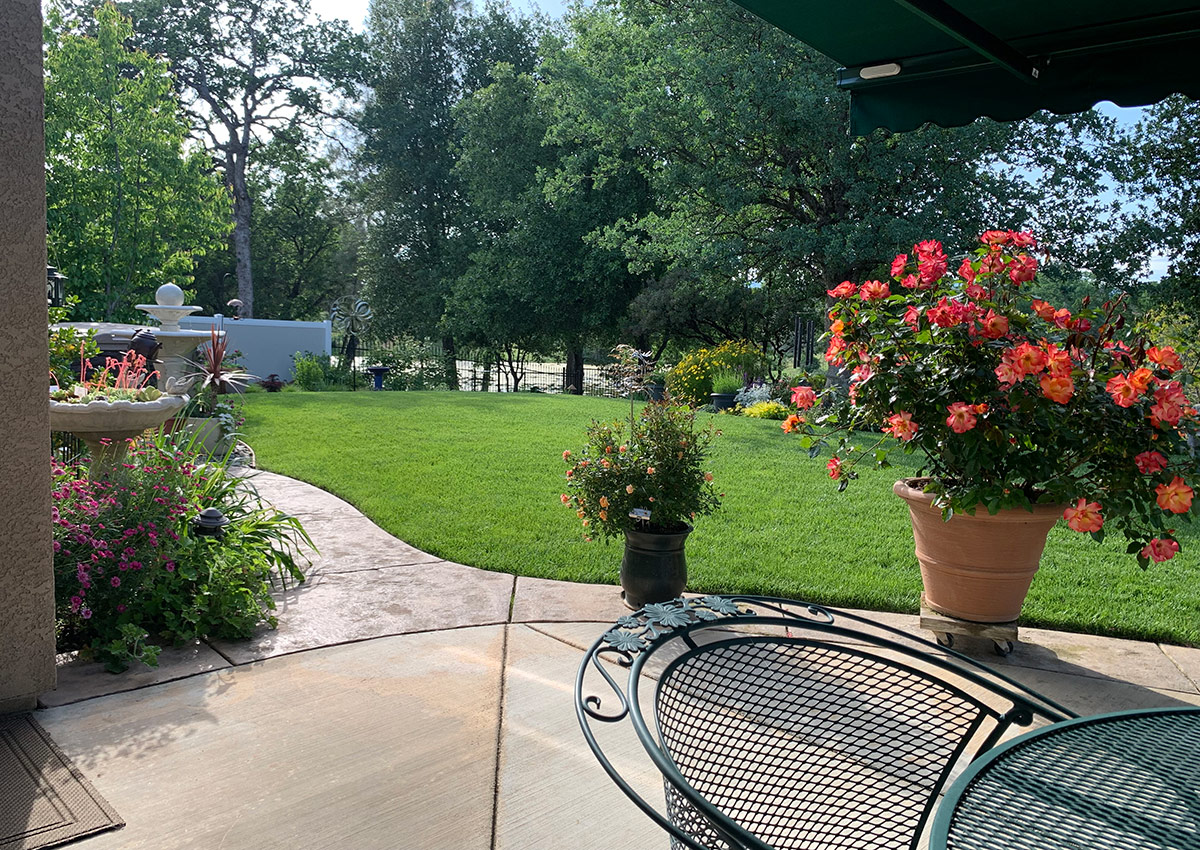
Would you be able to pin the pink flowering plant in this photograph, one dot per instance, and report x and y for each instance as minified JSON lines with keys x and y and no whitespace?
{"x":127,"y":378}
{"x":1011,"y":400}
{"x":129,"y":572}
{"x":647,"y":474}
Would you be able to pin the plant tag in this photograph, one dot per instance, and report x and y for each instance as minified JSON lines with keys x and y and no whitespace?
{"x":640,"y":513}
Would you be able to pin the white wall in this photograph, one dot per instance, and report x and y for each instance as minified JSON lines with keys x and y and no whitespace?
{"x":267,"y":345}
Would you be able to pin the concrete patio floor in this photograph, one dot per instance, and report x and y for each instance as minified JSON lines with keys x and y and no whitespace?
{"x":409,"y":702}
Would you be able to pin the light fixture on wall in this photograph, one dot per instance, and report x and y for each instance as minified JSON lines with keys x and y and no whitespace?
{"x":56,"y":291}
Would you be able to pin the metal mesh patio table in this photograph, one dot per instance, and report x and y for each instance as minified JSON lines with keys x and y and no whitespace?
{"x":1122,"y":781}
{"x":776,"y":724}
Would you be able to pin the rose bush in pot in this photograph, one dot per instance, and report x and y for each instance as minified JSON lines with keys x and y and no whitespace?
{"x":1012,"y":402}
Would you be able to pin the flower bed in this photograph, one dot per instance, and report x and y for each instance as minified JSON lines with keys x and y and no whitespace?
{"x":130,"y":574}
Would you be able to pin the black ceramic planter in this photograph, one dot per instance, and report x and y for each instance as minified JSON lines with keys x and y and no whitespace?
{"x":654,"y":568}
{"x":723,"y":401}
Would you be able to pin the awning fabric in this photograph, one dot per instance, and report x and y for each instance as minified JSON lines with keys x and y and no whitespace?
{"x":908,"y":62}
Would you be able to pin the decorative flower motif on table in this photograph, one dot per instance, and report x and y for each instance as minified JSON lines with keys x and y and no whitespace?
{"x":635,"y":632}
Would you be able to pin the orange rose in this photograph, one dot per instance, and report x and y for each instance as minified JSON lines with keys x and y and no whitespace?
{"x":1175,"y":497}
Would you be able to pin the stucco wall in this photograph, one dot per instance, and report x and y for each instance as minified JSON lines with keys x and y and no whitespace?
{"x":26,"y":575}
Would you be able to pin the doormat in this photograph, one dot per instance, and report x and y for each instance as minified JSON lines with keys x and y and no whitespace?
{"x":44,"y":800}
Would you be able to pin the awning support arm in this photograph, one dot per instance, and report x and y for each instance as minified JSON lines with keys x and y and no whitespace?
{"x":958,"y":26}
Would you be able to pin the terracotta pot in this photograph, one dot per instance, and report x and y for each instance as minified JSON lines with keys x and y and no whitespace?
{"x":654,"y":568}
{"x":977,"y":568}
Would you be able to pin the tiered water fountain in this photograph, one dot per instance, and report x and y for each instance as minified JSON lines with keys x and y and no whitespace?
{"x":177,"y":344}
{"x":107,"y":426}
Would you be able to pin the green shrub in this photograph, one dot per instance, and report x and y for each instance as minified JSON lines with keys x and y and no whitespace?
{"x":690,"y":381}
{"x":129,"y":572}
{"x":414,"y":366}
{"x":321,"y":373}
{"x":308,"y":373}
{"x":766,"y":410}
{"x":67,"y":346}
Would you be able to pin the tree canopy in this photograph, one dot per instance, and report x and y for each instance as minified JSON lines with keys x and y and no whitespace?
{"x":129,"y":206}
{"x":664,"y":172}
{"x":249,"y":68}
{"x":762,"y":198}
{"x":426,"y":56}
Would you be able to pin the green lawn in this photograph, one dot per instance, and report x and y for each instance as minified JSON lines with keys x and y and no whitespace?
{"x":475,"y":478}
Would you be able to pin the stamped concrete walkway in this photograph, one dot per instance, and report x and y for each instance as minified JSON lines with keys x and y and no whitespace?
{"x":410,"y":702}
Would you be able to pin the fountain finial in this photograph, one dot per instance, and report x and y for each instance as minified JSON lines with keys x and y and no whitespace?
{"x":169,"y":295}
{"x":169,"y":309}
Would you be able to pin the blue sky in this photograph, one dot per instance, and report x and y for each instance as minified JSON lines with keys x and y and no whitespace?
{"x":355,"y":11}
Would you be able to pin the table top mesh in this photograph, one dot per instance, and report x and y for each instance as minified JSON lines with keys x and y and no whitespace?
{"x":1120,"y":783}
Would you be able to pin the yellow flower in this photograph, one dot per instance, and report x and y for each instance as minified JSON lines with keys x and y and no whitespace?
{"x":629,"y":488}
{"x":604,"y":501}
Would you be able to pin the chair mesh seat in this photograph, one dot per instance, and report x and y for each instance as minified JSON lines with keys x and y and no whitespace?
{"x":809,"y":745}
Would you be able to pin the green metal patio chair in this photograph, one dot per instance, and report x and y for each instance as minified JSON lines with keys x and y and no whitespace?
{"x":778,"y":724}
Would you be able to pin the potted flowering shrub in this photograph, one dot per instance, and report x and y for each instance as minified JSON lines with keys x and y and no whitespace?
{"x":1023,"y":412}
{"x":643,"y":480}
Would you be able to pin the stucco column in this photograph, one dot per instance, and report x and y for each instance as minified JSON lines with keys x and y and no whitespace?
{"x":26,"y":570}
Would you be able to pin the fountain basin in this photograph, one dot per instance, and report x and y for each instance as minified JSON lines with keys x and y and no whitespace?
{"x":106,"y":426}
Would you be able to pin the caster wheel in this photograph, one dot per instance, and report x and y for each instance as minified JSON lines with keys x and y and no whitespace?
{"x":944,"y":639}
{"x":1004,"y":648}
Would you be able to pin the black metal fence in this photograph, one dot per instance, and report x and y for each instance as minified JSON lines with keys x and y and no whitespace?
{"x":66,"y":447}
{"x":422,"y":365}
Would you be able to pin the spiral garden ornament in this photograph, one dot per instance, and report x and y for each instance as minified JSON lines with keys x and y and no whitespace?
{"x":351,"y":315}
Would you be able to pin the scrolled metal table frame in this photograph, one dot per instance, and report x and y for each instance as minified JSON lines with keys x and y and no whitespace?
{"x":1097,"y":753}
{"x":634,"y":639}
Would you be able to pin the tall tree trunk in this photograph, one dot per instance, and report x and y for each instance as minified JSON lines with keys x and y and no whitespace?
{"x":573,"y":380}
{"x":450,"y":362}
{"x":241,"y":246}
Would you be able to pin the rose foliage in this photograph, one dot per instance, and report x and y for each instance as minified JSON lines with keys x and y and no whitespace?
{"x":1011,"y":400}
{"x":130,"y":574}
{"x":644,"y":475}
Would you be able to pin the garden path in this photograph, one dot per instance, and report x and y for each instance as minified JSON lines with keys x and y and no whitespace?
{"x":410,"y":702}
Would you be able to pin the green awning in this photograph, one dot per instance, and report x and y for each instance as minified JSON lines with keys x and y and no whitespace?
{"x":908,"y":62}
